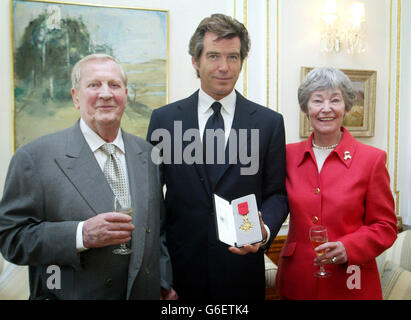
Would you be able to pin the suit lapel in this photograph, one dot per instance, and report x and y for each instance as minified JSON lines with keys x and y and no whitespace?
{"x":242,"y":120}
{"x":138,"y":180}
{"x":81,"y":168}
{"x":189,"y":116}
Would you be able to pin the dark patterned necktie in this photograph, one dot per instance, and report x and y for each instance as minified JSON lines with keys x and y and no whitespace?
{"x":215,"y":122}
{"x":114,"y":172}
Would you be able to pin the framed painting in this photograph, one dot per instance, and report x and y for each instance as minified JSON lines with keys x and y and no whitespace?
{"x":360,"y":120}
{"x":48,"y":38}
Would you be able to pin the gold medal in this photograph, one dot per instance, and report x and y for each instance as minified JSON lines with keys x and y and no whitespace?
{"x":243,"y":210}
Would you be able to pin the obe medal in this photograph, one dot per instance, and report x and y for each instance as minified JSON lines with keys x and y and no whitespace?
{"x":243,"y":210}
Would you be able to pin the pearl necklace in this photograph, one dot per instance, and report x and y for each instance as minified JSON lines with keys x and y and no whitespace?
{"x":325,"y":148}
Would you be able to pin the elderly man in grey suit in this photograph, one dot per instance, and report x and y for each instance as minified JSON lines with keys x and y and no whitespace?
{"x":57,"y":211}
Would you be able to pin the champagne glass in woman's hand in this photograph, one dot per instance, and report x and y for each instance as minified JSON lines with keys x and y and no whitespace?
{"x":318,"y":236}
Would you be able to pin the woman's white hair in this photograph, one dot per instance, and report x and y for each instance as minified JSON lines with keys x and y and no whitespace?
{"x":324,"y":78}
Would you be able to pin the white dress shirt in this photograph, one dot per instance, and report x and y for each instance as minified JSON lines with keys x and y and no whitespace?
{"x":227,"y":112}
{"x":205,"y":111}
{"x":95,"y":142}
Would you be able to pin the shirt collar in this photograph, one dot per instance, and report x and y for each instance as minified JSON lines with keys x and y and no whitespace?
{"x":345,"y":149}
{"x":205,"y":102}
{"x":95,"y":141}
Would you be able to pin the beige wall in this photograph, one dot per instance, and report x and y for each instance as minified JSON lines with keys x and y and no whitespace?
{"x":404,"y":134}
{"x":297,"y":45}
{"x":300,"y":47}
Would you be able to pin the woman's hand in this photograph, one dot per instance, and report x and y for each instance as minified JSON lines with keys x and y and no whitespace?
{"x":335,"y":253}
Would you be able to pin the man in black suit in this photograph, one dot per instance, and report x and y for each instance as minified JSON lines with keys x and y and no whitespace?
{"x":204,"y":267}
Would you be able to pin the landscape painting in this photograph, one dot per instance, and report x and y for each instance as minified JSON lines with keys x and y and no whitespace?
{"x":50,"y":37}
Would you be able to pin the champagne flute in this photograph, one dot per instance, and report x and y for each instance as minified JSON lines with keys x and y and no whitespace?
{"x":318,"y":236}
{"x":123,"y":204}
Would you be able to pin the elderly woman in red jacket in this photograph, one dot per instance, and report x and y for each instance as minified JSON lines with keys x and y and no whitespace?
{"x":335,"y":181}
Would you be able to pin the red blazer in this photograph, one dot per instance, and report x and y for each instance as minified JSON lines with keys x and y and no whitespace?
{"x":352,"y":197}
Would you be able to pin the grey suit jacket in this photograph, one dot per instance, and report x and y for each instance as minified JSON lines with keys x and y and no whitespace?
{"x":55,"y":182}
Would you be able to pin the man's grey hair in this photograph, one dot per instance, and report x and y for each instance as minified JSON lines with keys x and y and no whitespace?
{"x":225,"y":27}
{"x":324,"y":78}
{"x":76,"y":72}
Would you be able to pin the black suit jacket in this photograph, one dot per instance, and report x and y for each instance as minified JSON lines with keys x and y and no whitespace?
{"x":203,"y":267}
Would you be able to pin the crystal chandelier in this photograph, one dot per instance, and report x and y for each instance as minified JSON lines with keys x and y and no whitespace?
{"x":334,"y":37}
{"x":356,"y":33}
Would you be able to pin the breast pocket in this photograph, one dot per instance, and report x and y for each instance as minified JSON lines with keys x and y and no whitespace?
{"x":288,"y":249}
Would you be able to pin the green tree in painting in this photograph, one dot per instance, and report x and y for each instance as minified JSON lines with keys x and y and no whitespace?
{"x":28,"y":56}
{"x":48,"y":50}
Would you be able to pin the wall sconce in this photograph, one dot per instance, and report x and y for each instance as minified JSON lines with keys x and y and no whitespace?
{"x":333,"y":36}
{"x":356,"y":33}
{"x":330,"y":36}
